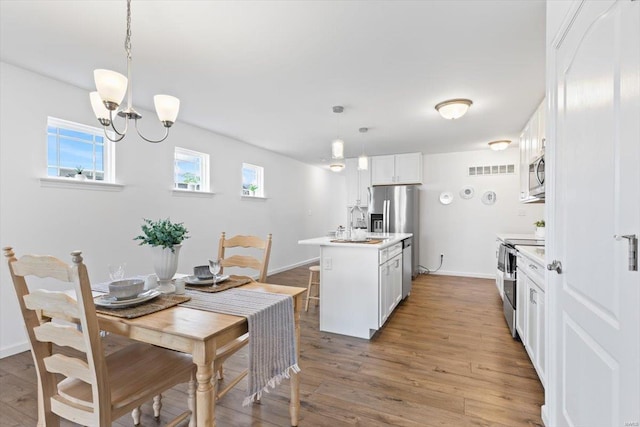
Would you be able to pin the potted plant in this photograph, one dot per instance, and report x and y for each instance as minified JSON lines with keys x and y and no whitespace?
{"x":540,"y":228}
{"x":253,"y":189}
{"x":79,"y":176}
{"x":191,"y":180}
{"x":165,"y":238}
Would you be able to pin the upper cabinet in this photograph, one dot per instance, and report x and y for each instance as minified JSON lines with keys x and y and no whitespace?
{"x":532,"y":143}
{"x":396,"y":169}
{"x":358,"y":182}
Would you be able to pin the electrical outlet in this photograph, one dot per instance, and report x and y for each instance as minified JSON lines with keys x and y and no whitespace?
{"x":328,"y":263}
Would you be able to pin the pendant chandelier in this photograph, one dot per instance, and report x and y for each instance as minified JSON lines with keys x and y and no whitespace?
{"x":337,"y":146}
{"x":363,"y":160}
{"x":111,"y":90}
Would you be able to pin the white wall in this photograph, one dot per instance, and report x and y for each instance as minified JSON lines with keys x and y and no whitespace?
{"x":302,"y":199}
{"x":465,"y":230}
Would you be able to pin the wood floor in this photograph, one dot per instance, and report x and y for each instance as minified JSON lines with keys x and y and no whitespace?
{"x":444,"y":358}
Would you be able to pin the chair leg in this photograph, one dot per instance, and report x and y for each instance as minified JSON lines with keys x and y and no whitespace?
{"x":220,"y":373}
{"x":306,"y":306}
{"x":157,"y":405}
{"x":135,"y":414}
{"x":191,"y":401}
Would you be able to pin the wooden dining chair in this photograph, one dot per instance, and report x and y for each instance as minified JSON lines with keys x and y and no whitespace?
{"x":245,"y":261}
{"x":65,"y":342}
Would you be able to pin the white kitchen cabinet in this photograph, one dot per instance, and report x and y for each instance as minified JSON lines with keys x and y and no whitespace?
{"x":521,"y":302}
{"x":532,"y":319}
{"x":532,"y":142}
{"x":396,"y":169}
{"x":390,"y":281}
{"x":358,"y":183}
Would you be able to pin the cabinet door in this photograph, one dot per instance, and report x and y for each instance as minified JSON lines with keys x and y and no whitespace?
{"x":408,"y":168}
{"x":524,"y":164}
{"x":500,"y":283}
{"x":521,"y":306}
{"x":541,"y":365}
{"x":382,"y":170}
{"x":397,"y":280}
{"x":534,"y":138}
{"x":351,"y":176}
{"x":365,"y":183}
{"x":531,"y":340}
{"x":383,"y":293}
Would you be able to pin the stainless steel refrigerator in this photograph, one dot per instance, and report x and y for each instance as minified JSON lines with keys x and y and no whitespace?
{"x":395,"y":209}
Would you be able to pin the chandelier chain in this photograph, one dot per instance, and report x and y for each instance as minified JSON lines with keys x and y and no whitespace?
{"x":127,"y":41}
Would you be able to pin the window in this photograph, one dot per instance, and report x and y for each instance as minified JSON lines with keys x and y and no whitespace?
{"x":252,"y":180}
{"x":73,"y":146}
{"x":190,"y":170}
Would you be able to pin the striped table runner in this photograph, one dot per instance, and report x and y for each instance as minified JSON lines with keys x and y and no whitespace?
{"x":272,"y":342}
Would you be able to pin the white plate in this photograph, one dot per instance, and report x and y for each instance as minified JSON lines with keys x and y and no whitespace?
{"x":466,"y":192}
{"x":446,"y":197}
{"x":193,"y":280}
{"x":489,"y":197}
{"x":110,"y":302}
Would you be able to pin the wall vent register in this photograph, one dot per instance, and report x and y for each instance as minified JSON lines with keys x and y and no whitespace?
{"x":492,"y":170}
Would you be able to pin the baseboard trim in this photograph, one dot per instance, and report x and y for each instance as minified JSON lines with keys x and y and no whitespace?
{"x":297,"y":264}
{"x":14,"y":349}
{"x":464,"y":274}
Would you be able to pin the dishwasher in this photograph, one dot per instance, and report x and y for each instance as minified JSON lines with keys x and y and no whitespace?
{"x":407,"y":267}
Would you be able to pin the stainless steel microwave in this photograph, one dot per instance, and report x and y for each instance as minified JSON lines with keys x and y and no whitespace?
{"x":536,"y":177}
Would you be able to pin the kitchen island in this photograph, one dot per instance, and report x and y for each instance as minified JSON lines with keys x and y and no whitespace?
{"x":360,"y":282}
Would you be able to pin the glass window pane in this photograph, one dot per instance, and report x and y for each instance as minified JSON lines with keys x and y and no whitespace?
{"x":99,"y":158}
{"x":52,"y":171}
{"x":73,"y":154}
{"x":76,"y":134}
{"x":52,"y":151}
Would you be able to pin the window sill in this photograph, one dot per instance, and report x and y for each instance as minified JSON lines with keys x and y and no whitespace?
{"x":177,"y":192}
{"x":245,"y":197}
{"x":83,"y":185}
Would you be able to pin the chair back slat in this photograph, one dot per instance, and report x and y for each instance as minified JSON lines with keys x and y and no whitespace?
{"x":246,"y":261}
{"x":62,"y":335}
{"x":43,"y":266}
{"x":56,"y":304}
{"x":70,"y":367}
{"x":41,"y":310}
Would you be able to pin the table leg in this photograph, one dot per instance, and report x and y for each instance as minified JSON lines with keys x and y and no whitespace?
{"x":205,"y":396}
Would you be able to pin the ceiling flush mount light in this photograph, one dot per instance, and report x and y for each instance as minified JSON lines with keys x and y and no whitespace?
{"x":453,"y":108}
{"x":112,"y":87}
{"x":499,"y":145}
{"x":337,"y":146}
{"x":363,"y":160}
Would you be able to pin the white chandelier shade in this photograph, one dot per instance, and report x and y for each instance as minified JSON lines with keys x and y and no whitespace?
{"x":363,"y":163}
{"x":167,"y":107}
{"x":111,"y":86}
{"x":99,"y":109}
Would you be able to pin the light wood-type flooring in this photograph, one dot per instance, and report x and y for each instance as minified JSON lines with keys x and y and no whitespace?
{"x":444,"y":358}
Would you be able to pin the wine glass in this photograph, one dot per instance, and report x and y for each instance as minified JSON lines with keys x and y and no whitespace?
{"x":214,"y":268}
{"x":116,"y":271}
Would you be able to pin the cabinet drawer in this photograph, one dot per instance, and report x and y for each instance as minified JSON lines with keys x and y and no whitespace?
{"x":395,"y":250}
{"x":532,"y":269}
{"x":384,"y":256}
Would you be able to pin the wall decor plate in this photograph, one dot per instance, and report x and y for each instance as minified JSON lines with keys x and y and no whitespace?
{"x":466,"y":192}
{"x":446,"y":197}
{"x":489,"y":197}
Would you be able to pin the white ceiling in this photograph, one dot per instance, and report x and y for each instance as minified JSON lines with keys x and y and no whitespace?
{"x":269,"y":72}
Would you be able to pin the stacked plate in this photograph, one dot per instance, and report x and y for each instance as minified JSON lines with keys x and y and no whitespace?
{"x":193,"y":280}
{"x":111,"y":302}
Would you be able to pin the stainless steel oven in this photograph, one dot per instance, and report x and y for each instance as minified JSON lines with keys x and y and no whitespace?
{"x":507,"y":256}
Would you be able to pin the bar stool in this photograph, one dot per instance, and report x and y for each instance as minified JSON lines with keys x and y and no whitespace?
{"x":314,"y":279}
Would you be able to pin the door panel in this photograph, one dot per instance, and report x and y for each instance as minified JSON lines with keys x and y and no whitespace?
{"x":594,"y":353}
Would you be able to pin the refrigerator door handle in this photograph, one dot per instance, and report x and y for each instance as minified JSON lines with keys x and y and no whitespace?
{"x":386,"y":216}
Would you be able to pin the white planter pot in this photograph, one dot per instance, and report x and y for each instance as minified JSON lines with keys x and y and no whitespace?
{"x":540,"y":232}
{"x":165,"y":265}
{"x":80,"y":177}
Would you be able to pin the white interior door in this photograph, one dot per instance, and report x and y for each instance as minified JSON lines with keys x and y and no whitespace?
{"x":594,"y":313}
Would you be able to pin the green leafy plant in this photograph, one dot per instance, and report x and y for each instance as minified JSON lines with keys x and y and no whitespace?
{"x":253,"y":188}
{"x":189,"y":178}
{"x":162,"y":233}
{"x":539,"y":223}
{"x":79,"y":170}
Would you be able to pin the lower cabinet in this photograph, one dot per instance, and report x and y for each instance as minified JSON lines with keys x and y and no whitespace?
{"x":530,"y":320}
{"x":390,"y":284}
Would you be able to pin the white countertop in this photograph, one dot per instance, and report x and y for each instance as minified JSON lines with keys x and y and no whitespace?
{"x":388,"y":239}
{"x":513,"y":236}
{"x":535,"y":253}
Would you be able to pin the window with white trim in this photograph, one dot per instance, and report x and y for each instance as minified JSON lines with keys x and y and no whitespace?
{"x":190,"y":170}
{"x":252,"y":180}
{"x":74,"y":148}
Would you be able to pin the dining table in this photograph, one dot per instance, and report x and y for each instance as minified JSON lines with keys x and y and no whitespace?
{"x":200,"y":333}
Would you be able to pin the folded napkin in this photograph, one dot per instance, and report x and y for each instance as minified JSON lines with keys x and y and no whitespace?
{"x":272,"y":339}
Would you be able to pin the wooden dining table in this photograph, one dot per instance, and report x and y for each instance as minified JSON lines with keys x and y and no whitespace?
{"x":200,"y":333}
